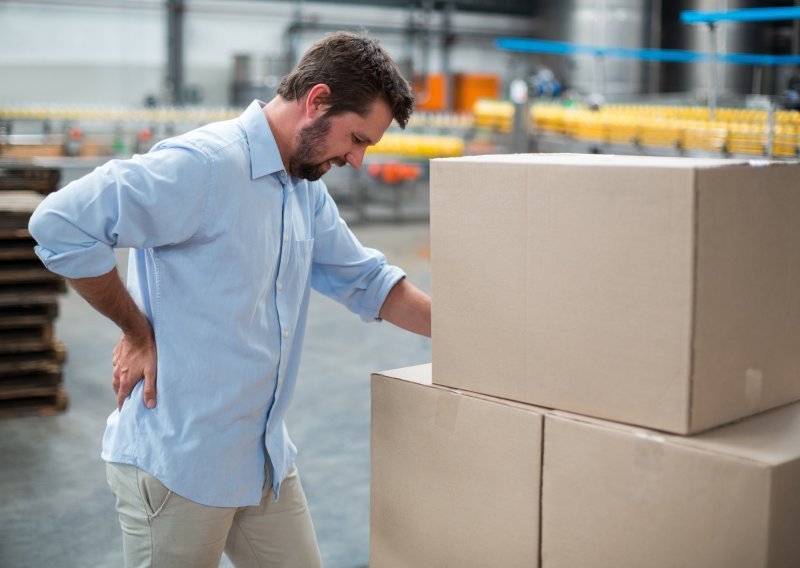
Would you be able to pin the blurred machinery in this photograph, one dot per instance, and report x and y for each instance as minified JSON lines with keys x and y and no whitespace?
{"x":575,"y":100}
{"x":752,"y":125}
{"x":256,"y":77}
{"x":393,"y":184}
{"x":654,"y":129}
{"x":622,"y":23}
{"x":733,"y":37}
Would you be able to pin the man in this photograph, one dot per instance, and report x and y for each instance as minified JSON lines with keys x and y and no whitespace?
{"x":228,"y":230}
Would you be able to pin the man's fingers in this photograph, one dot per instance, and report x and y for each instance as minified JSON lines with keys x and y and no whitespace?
{"x":123,"y":385}
{"x":133,"y":363}
{"x":124,"y":390}
{"x":149,"y":390}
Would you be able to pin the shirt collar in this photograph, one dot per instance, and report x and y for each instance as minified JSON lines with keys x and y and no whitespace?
{"x":265,"y":158}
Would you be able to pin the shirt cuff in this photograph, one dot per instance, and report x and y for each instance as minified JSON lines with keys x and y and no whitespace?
{"x":87,"y":262}
{"x":391,"y":276}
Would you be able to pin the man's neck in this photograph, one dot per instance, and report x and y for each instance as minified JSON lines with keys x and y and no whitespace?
{"x":283,"y":116}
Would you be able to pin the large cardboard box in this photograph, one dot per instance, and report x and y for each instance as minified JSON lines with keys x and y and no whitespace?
{"x":662,"y":292}
{"x":455,"y":476}
{"x":617,"y":496}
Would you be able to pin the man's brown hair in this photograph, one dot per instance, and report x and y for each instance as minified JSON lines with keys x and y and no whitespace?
{"x":357,"y":70}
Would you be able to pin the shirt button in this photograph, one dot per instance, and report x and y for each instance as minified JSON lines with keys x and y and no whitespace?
{"x":285,"y":238}
{"x":280,"y":286}
{"x":285,"y":334}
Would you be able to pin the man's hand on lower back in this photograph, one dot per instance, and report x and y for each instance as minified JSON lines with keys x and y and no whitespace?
{"x":134,"y":360}
{"x":134,"y":357}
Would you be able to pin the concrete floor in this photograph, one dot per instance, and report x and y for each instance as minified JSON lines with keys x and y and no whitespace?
{"x":56,"y":509}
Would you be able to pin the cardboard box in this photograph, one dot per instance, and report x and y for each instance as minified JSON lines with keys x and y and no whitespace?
{"x":662,"y":292}
{"x":455,"y":476}
{"x":621,"y":497}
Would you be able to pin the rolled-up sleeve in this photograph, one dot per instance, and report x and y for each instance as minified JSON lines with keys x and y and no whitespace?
{"x":345,"y":270}
{"x":152,"y":200}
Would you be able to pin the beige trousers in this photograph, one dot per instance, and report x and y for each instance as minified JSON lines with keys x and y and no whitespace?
{"x":161,"y":529}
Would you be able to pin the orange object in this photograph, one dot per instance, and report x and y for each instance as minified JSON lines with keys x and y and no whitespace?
{"x":392,"y":173}
{"x":470,"y":87}
{"x":430,"y":92}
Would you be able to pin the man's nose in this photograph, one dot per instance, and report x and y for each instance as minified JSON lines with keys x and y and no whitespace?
{"x":356,"y":157}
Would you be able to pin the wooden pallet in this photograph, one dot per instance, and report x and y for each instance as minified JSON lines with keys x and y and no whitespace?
{"x":18,"y":247}
{"x":24,"y":362}
{"x":25,"y":271}
{"x":36,"y":293}
{"x":16,"y":208}
{"x":26,"y":328}
{"x":16,"y":175}
{"x":25,"y":313}
{"x":21,"y":384}
{"x":30,"y":358}
{"x":41,"y":401}
{"x":31,"y":381}
{"x":19,"y":266}
{"x":21,"y":336}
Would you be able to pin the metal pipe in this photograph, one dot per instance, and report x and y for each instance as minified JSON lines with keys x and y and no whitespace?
{"x":409,"y":43}
{"x":125,"y":4}
{"x":291,"y":33}
{"x":712,"y":71}
{"x":770,"y":150}
{"x":653,"y":80}
{"x":175,"y":12}
{"x":425,"y":37}
{"x":796,"y":33}
{"x":758,"y":79}
{"x":520,"y":131}
{"x":402,"y":29}
{"x":447,"y":42}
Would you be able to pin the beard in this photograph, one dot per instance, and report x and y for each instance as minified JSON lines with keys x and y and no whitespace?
{"x":304,"y":163}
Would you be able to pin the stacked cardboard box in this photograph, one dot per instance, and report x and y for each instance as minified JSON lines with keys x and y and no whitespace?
{"x":31,"y":358}
{"x":455,"y":476}
{"x":636,"y":302}
{"x":466,"y":480}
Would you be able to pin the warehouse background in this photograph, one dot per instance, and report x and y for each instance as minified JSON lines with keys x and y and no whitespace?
{"x":82,"y":81}
{"x":117,"y":51}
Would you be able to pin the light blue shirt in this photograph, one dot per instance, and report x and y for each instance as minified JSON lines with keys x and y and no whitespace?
{"x":224,"y":249}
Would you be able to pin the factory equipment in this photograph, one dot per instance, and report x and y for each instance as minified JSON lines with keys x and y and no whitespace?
{"x":624,"y":23}
{"x":256,"y":77}
{"x":734,"y":37}
{"x":608,"y":57}
{"x":655,"y":129}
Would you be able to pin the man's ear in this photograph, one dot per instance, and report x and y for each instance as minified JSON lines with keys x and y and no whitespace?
{"x":317,"y":100}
